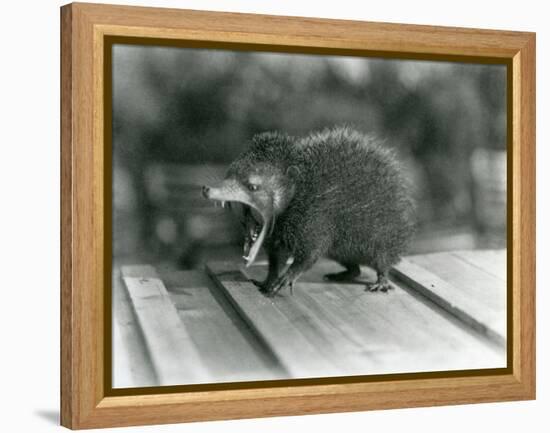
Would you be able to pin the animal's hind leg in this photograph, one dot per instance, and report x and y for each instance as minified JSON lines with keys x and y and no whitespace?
{"x":352,"y":271}
{"x":382,"y":283}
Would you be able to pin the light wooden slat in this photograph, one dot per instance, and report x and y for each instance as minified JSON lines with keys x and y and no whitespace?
{"x":461,"y":304}
{"x":404,"y":333}
{"x":491,"y":261}
{"x":298,"y":356}
{"x":472,"y":280}
{"x":122,"y":376}
{"x":382,"y":333}
{"x":361,"y":332}
{"x":138,"y":271}
{"x":229,"y":350}
{"x":128,"y":347}
{"x":327,"y":332}
{"x":172,"y":351}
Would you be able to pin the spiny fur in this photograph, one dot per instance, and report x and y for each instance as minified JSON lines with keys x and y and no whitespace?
{"x":350,"y":202}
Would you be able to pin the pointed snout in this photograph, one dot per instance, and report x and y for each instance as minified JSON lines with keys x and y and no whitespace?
{"x":227,"y":190}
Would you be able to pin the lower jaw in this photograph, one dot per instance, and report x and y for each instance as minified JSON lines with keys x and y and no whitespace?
{"x":250,"y":245}
{"x":251,"y":216}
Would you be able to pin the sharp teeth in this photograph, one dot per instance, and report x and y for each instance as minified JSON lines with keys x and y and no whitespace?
{"x":246,"y":258}
{"x":223,"y":204}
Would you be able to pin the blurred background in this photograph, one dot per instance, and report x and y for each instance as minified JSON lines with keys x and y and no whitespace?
{"x":180,"y":116}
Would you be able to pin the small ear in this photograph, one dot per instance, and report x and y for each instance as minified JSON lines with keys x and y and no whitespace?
{"x":293,"y":172}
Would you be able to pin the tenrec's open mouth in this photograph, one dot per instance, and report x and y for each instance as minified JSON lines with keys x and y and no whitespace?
{"x":258,"y":223}
{"x":255,"y":227}
{"x":253,"y":224}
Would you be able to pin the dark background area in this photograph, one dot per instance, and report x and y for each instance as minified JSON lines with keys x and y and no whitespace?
{"x":180,"y":116}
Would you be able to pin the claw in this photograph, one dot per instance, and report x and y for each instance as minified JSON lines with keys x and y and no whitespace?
{"x":280,"y":283}
{"x":375,"y":287}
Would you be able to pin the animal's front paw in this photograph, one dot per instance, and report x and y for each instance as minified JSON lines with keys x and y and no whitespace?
{"x":280,"y":283}
{"x":262,"y":285}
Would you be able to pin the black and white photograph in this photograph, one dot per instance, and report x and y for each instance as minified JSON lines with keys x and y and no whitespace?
{"x":285,"y":216}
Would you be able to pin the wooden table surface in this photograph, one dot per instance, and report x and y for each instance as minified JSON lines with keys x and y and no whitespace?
{"x":447,"y":311}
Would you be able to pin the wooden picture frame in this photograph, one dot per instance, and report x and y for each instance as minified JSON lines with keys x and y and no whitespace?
{"x":85,"y":179}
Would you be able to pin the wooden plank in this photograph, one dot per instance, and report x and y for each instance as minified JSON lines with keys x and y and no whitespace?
{"x":172,"y":351}
{"x":131,"y":362}
{"x":462,"y":305}
{"x":472,"y":280}
{"x":332,"y":329}
{"x":298,"y":356}
{"x":122,"y":371}
{"x":329,"y":334}
{"x":382,"y":333}
{"x":228,"y":348}
{"x":491,"y":261}
{"x":362,"y":333}
{"x":400,"y":333}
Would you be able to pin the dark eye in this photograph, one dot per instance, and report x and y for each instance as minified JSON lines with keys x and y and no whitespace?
{"x":253,"y":187}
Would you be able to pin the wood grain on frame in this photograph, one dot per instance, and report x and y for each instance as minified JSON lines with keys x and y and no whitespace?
{"x":84,"y":225}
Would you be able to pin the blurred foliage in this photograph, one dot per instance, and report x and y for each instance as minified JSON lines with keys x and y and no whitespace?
{"x":200,"y":107}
